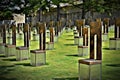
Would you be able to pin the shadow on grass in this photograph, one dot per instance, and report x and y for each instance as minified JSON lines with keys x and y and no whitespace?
{"x":70,"y":35}
{"x":24,"y":64}
{"x":70,"y":44}
{"x":1,"y":55}
{"x":13,"y":59}
{"x":70,"y":39}
{"x":4,"y":78}
{"x":4,"y":70}
{"x":75,"y":55}
{"x":74,"y":78}
{"x":106,"y":48}
{"x":113,"y":65}
{"x":28,"y":64}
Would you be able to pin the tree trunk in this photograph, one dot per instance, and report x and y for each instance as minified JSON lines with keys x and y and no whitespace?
{"x":83,"y":10}
{"x":58,"y":12}
{"x":40,"y":15}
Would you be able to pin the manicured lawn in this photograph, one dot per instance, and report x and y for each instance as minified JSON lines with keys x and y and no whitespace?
{"x":62,"y":63}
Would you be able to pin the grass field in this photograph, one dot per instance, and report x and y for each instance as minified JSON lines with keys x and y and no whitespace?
{"x":62,"y":63}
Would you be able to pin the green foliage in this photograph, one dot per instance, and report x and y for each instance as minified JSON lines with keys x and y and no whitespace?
{"x":94,"y":5}
{"x":101,"y":6}
{"x":28,"y":7}
{"x":57,"y":2}
{"x":111,"y":5}
{"x":7,"y":15}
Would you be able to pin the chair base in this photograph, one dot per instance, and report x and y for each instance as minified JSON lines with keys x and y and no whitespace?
{"x":10,"y":50}
{"x":50,"y":45}
{"x":90,"y":69}
{"x":22,"y":53}
{"x":2,"y":48}
{"x":38,"y":57}
{"x":82,"y":50}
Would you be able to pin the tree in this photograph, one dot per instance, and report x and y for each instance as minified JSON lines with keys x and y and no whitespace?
{"x":5,"y":13}
{"x":111,"y":6}
{"x":93,"y":6}
{"x":27,"y":7}
{"x":57,"y":3}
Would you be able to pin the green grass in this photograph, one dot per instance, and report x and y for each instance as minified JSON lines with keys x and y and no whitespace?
{"x":62,"y":64}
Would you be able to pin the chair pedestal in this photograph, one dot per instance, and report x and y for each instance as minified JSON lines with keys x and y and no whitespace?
{"x":22,"y":53}
{"x":48,"y":33}
{"x":10,"y":50}
{"x":1,"y":40}
{"x":76,"y":33}
{"x":38,"y":57}
{"x":82,"y":50}
{"x":35,"y":37}
{"x":2,"y":48}
{"x":20,"y":36}
{"x":80,"y":41}
{"x":112,"y":43}
{"x":90,"y":69}
{"x":76,"y":40}
{"x":104,"y":37}
{"x":117,"y":43}
{"x":74,"y":28}
{"x":49,"y":45}
{"x":55,"y":38}
{"x":68,"y":30}
{"x":9,"y":40}
{"x":59,"y":33}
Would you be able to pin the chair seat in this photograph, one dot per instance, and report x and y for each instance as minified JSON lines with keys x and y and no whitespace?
{"x":22,"y":48}
{"x":82,"y":46}
{"x":37,"y":51}
{"x":10,"y":46}
{"x":90,"y":61}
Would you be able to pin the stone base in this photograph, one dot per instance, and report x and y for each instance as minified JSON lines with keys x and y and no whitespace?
{"x":74,"y":28}
{"x":117,"y":43}
{"x":9,"y":40}
{"x":10,"y":50}
{"x":9,"y":34}
{"x":59,"y":33}
{"x":76,"y":40}
{"x":63,"y":29}
{"x":2,"y":48}
{"x":22,"y":53}
{"x":1,"y":40}
{"x":104,"y":37}
{"x":20,"y":36}
{"x":111,"y":28}
{"x":90,"y":69}
{"x":48,"y":33}
{"x":74,"y":31}
{"x":35,"y":37}
{"x":112,"y":43}
{"x":68,"y":29}
{"x":76,"y":34}
{"x":80,"y":41}
{"x":55,"y":38}
{"x":46,"y":46}
{"x":82,"y":50}
{"x":50,"y":45}
{"x":38,"y":57}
